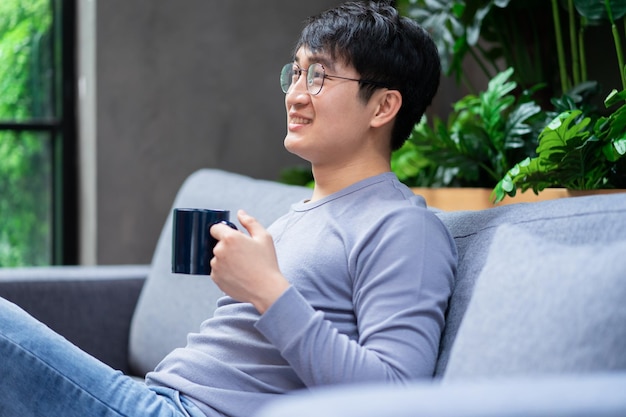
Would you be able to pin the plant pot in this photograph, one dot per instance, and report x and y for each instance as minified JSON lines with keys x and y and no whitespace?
{"x":451,"y":199}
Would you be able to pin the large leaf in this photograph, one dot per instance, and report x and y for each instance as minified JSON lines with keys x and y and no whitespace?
{"x":566,"y":133}
{"x":441,"y":18}
{"x":516,"y":125}
{"x":612,"y":129}
{"x":615,"y":97}
{"x":569,"y":155}
{"x":594,"y":10}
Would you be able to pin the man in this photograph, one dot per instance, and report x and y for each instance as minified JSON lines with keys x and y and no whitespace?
{"x":349,"y":286}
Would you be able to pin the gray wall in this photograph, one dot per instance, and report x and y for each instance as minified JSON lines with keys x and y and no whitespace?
{"x":182,"y":85}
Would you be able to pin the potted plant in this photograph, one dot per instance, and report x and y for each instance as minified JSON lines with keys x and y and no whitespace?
{"x":578,"y":150}
{"x":574,"y":153}
{"x":488,"y":134}
{"x":478,"y":143}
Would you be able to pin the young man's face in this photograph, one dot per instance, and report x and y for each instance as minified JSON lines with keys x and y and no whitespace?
{"x":328,"y":127}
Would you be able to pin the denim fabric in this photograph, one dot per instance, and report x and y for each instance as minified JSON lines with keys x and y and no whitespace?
{"x":42,"y":374}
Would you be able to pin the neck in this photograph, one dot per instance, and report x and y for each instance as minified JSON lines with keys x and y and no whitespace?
{"x":329,"y":180}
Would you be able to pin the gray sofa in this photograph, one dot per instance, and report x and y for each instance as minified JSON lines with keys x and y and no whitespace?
{"x":536,"y":324}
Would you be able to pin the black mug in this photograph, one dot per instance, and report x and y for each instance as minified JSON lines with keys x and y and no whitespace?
{"x":192,"y":243}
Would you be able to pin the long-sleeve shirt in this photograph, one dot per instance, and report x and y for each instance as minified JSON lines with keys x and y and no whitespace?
{"x":371,"y":272}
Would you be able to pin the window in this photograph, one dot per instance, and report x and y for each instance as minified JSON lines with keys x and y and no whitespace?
{"x":38,"y":206}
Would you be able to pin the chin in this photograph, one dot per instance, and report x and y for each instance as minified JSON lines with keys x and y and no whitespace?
{"x":292,"y":145}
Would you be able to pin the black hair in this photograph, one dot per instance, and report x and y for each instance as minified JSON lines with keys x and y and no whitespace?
{"x":381,"y":46}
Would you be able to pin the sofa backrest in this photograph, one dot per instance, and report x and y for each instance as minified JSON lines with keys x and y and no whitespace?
{"x":173,"y":305}
{"x":593,"y":221}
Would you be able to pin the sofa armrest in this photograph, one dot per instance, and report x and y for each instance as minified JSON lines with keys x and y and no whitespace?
{"x":91,"y":306}
{"x":598,"y":395}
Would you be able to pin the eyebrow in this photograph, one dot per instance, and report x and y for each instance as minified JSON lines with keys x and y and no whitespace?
{"x":318,"y":59}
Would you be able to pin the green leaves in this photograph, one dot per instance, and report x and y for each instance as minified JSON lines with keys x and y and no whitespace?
{"x":614,"y":128}
{"x":442,"y":19}
{"x":595,"y":10}
{"x":455,"y":25}
{"x":566,"y":146}
{"x":581,"y":149}
{"x":25,"y":157}
{"x":24,"y":28}
{"x":476,"y":144}
{"x":573,"y":153}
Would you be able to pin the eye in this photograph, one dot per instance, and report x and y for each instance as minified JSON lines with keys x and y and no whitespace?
{"x":316,"y":72}
{"x":296,"y":72}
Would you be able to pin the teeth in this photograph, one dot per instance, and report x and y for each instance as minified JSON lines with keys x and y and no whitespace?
{"x":300,"y":121}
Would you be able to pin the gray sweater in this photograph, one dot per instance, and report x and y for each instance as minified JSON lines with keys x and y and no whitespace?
{"x":371,"y":272}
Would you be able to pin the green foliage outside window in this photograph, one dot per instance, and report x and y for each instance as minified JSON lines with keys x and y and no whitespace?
{"x":26,"y":79}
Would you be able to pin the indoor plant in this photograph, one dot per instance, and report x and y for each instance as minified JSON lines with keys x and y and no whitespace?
{"x":578,"y":150}
{"x":485,"y":31}
{"x":482,"y":138}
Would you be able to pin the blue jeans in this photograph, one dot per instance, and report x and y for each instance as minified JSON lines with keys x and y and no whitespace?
{"x":42,"y":374}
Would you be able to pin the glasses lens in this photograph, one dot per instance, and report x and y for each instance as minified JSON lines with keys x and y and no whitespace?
{"x":287,"y":75}
{"x":290,"y":74}
{"x":315,"y":78}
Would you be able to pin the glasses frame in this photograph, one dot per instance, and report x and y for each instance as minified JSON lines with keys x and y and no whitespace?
{"x":287,"y":68}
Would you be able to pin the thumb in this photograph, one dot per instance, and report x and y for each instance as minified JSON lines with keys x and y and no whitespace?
{"x":250,"y":223}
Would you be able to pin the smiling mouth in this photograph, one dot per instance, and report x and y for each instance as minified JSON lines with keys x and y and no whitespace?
{"x":299,"y":121}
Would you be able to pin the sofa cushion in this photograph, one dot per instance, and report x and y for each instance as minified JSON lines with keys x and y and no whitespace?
{"x":597,"y":395}
{"x":579,"y":220}
{"x":172,"y":305}
{"x":543,"y":307}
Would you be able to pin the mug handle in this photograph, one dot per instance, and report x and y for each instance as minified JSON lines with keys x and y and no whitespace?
{"x":229,"y":224}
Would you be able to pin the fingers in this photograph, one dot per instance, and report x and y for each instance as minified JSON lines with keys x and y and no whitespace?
{"x":220,"y":230}
{"x":251,"y":224}
{"x":254,"y":228}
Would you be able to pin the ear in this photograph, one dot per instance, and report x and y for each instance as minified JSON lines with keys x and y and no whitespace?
{"x":388,"y":104}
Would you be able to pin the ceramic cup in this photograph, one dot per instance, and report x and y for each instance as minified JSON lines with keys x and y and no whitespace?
{"x":192,"y":243}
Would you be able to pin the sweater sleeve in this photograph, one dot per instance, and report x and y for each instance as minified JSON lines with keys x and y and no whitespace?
{"x":402,"y":279}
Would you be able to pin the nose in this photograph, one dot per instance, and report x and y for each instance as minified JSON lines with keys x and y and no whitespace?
{"x":298,"y":92}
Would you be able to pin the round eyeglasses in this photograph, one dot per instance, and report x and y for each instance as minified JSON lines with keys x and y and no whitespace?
{"x":315,"y":76}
